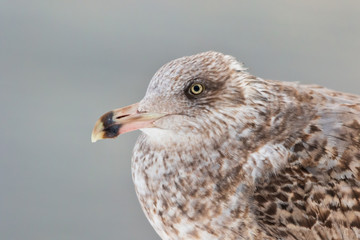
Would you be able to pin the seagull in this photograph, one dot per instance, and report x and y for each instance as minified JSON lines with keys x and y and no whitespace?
{"x":226,"y":155}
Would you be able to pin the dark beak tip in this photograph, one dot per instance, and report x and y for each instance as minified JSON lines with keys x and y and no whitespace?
{"x":107,"y":119}
{"x":112,"y":131}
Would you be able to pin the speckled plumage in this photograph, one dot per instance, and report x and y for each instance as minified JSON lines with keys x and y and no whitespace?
{"x":248,"y":158}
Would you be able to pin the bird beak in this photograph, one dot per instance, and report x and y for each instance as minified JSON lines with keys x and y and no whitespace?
{"x":122,"y":120}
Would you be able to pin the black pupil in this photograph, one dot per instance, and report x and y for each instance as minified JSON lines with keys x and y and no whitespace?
{"x":196,"y":88}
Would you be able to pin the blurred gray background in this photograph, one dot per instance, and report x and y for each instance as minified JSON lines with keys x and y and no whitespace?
{"x":64,"y":63}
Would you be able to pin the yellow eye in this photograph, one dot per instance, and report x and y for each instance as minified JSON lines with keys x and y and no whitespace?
{"x":196,"y":88}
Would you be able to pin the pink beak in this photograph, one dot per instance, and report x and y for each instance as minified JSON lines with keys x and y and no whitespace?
{"x":122,"y":120}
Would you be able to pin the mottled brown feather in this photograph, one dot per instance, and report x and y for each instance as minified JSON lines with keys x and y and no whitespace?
{"x":249,"y":158}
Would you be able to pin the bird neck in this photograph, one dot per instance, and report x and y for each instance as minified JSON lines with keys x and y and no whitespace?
{"x":197,"y":188}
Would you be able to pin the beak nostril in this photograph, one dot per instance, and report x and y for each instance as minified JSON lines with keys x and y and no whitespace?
{"x":122,"y":116}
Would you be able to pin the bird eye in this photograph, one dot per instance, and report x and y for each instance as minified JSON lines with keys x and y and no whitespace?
{"x":196,"y":89}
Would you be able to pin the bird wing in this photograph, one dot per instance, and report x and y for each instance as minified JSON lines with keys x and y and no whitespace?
{"x":316,"y":195}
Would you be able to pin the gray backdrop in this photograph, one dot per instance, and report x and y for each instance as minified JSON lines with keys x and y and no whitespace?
{"x":64,"y":63}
